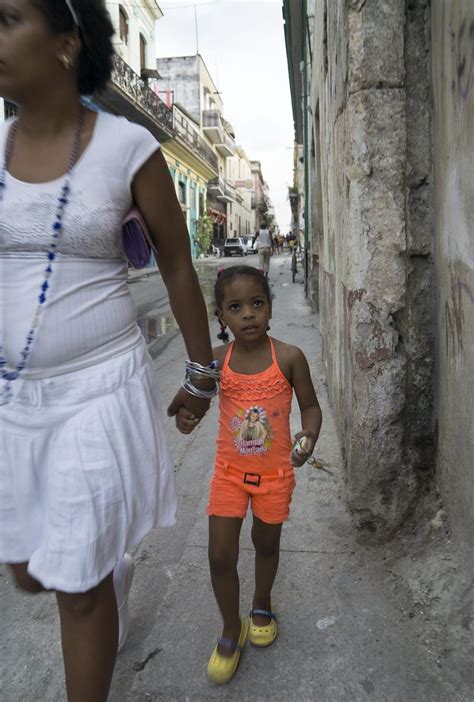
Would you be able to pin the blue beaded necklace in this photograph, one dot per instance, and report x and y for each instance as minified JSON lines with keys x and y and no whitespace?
{"x":57,"y":228}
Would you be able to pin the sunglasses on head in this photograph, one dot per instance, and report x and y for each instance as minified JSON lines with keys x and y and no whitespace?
{"x":73,"y":12}
{"x":75,"y":19}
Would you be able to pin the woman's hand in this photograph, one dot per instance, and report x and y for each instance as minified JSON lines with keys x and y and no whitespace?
{"x":300,"y":456}
{"x":195,"y":406}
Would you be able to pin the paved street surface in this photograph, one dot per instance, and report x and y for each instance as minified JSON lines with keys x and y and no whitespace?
{"x":357,"y":621}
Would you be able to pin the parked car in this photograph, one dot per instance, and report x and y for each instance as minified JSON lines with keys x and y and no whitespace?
{"x":234,"y":246}
{"x":249,"y":249}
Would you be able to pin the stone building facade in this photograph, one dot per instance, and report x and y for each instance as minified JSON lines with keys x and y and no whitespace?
{"x":194,"y":91}
{"x":385,"y":115}
{"x":260,"y":199}
{"x":241,"y":220}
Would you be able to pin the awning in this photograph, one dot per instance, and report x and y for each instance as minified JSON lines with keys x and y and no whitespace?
{"x":216,"y":216}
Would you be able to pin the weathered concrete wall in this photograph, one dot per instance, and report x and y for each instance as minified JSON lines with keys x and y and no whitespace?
{"x":371,"y":91}
{"x":181,"y":75}
{"x":453,"y":87}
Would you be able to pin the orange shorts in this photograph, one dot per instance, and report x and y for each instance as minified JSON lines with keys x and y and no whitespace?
{"x":231,"y":490}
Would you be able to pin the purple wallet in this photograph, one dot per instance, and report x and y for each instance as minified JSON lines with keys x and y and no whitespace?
{"x":137,"y":244}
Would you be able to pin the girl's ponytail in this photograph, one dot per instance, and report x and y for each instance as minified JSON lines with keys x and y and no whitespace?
{"x":223,"y":335}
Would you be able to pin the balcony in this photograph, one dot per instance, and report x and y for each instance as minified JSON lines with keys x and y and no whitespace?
{"x":216,"y":187}
{"x":229,"y":193}
{"x":189,"y":135}
{"x":259,"y":204}
{"x":129,"y":95}
{"x":227,"y":146}
{"x":213,"y":127}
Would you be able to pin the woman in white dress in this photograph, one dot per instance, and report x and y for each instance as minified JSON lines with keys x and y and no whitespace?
{"x":263,"y":240}
{"x":84,"y":469}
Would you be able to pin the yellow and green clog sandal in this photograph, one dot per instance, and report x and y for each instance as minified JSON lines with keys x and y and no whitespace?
{"x":221,"y":669}
{"x":263,"y":635}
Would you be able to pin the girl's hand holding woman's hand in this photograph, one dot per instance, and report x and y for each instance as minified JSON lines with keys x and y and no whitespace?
{"x":186,"y":422}
{"x":188,"y":410}
{"x":300,"y":456}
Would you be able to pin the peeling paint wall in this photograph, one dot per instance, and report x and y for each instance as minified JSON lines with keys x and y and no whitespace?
{"x":453,"y":88}
{"x":371,"y":103}
{"x":180,"y":74}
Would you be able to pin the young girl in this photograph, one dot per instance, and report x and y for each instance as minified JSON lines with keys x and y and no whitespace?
{"x":258,"y":376}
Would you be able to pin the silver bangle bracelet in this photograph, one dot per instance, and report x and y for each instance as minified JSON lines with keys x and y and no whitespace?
{"x":197,"y":392}
{"x":210,"y":371}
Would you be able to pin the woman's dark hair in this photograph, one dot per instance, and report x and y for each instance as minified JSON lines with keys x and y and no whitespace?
{"x":95,"y":30}
{"x":227,"y":275}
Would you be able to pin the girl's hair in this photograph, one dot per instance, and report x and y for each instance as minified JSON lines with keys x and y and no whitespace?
{"x":95,"y":30}
{"x":227,"y":275}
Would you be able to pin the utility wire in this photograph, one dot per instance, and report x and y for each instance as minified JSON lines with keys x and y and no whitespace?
{"x":182,"y":7}
{"x":162,"y":7}
{"x":185,"y":7}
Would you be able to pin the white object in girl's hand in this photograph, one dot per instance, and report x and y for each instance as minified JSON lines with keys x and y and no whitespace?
{"x":299,"y":450}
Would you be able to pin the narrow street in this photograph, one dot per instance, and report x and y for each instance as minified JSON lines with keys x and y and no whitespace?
{"x":357,"y":621}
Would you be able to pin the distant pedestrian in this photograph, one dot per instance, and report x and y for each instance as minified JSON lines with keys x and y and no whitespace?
{"x":274,"y":243}
{"x":253,"y":464}
{"x":85,"y":472}
{"x":292,"y":242}
{"x":264,"y":243}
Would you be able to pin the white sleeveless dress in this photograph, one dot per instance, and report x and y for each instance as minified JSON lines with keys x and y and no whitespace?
{"x":85,"y":472}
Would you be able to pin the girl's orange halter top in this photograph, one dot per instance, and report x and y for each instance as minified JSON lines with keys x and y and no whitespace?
{"x":254,"y":422}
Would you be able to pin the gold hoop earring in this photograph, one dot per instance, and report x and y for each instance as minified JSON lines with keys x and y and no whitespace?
{"x":66,"y":61}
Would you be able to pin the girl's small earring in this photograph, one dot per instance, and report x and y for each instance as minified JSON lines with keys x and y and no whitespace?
{"x":268,"y":328}
{"x":66,"y":61}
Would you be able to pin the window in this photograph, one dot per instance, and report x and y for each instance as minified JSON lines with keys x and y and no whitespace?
{"x":192,"y":198}
{"x":142,"y":52}
{"x":182,"y":192}
{"x":123,"y":25}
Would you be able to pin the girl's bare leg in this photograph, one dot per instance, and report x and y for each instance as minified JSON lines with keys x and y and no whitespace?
{"x":266,"y":540}
{"x":89,"y":631}
{"x":224,"y":534}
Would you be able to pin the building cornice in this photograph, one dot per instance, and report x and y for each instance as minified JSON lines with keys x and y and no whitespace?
{"x":176,"y":150}
{"x":153,"y":9}
{"x":294,"y":18}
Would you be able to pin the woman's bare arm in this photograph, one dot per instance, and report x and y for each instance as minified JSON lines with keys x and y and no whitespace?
{"x":154,"y":194}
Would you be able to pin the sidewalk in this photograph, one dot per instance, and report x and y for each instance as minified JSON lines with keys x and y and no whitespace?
{"x":357,"y":622}
{"x":352,"y":624}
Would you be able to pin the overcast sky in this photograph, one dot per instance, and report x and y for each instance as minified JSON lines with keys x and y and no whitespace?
{"x":242,"y":43}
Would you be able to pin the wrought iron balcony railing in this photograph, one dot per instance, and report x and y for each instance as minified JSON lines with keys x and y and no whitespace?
{"x":194,"y":140}
{"x":130,"y":83}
